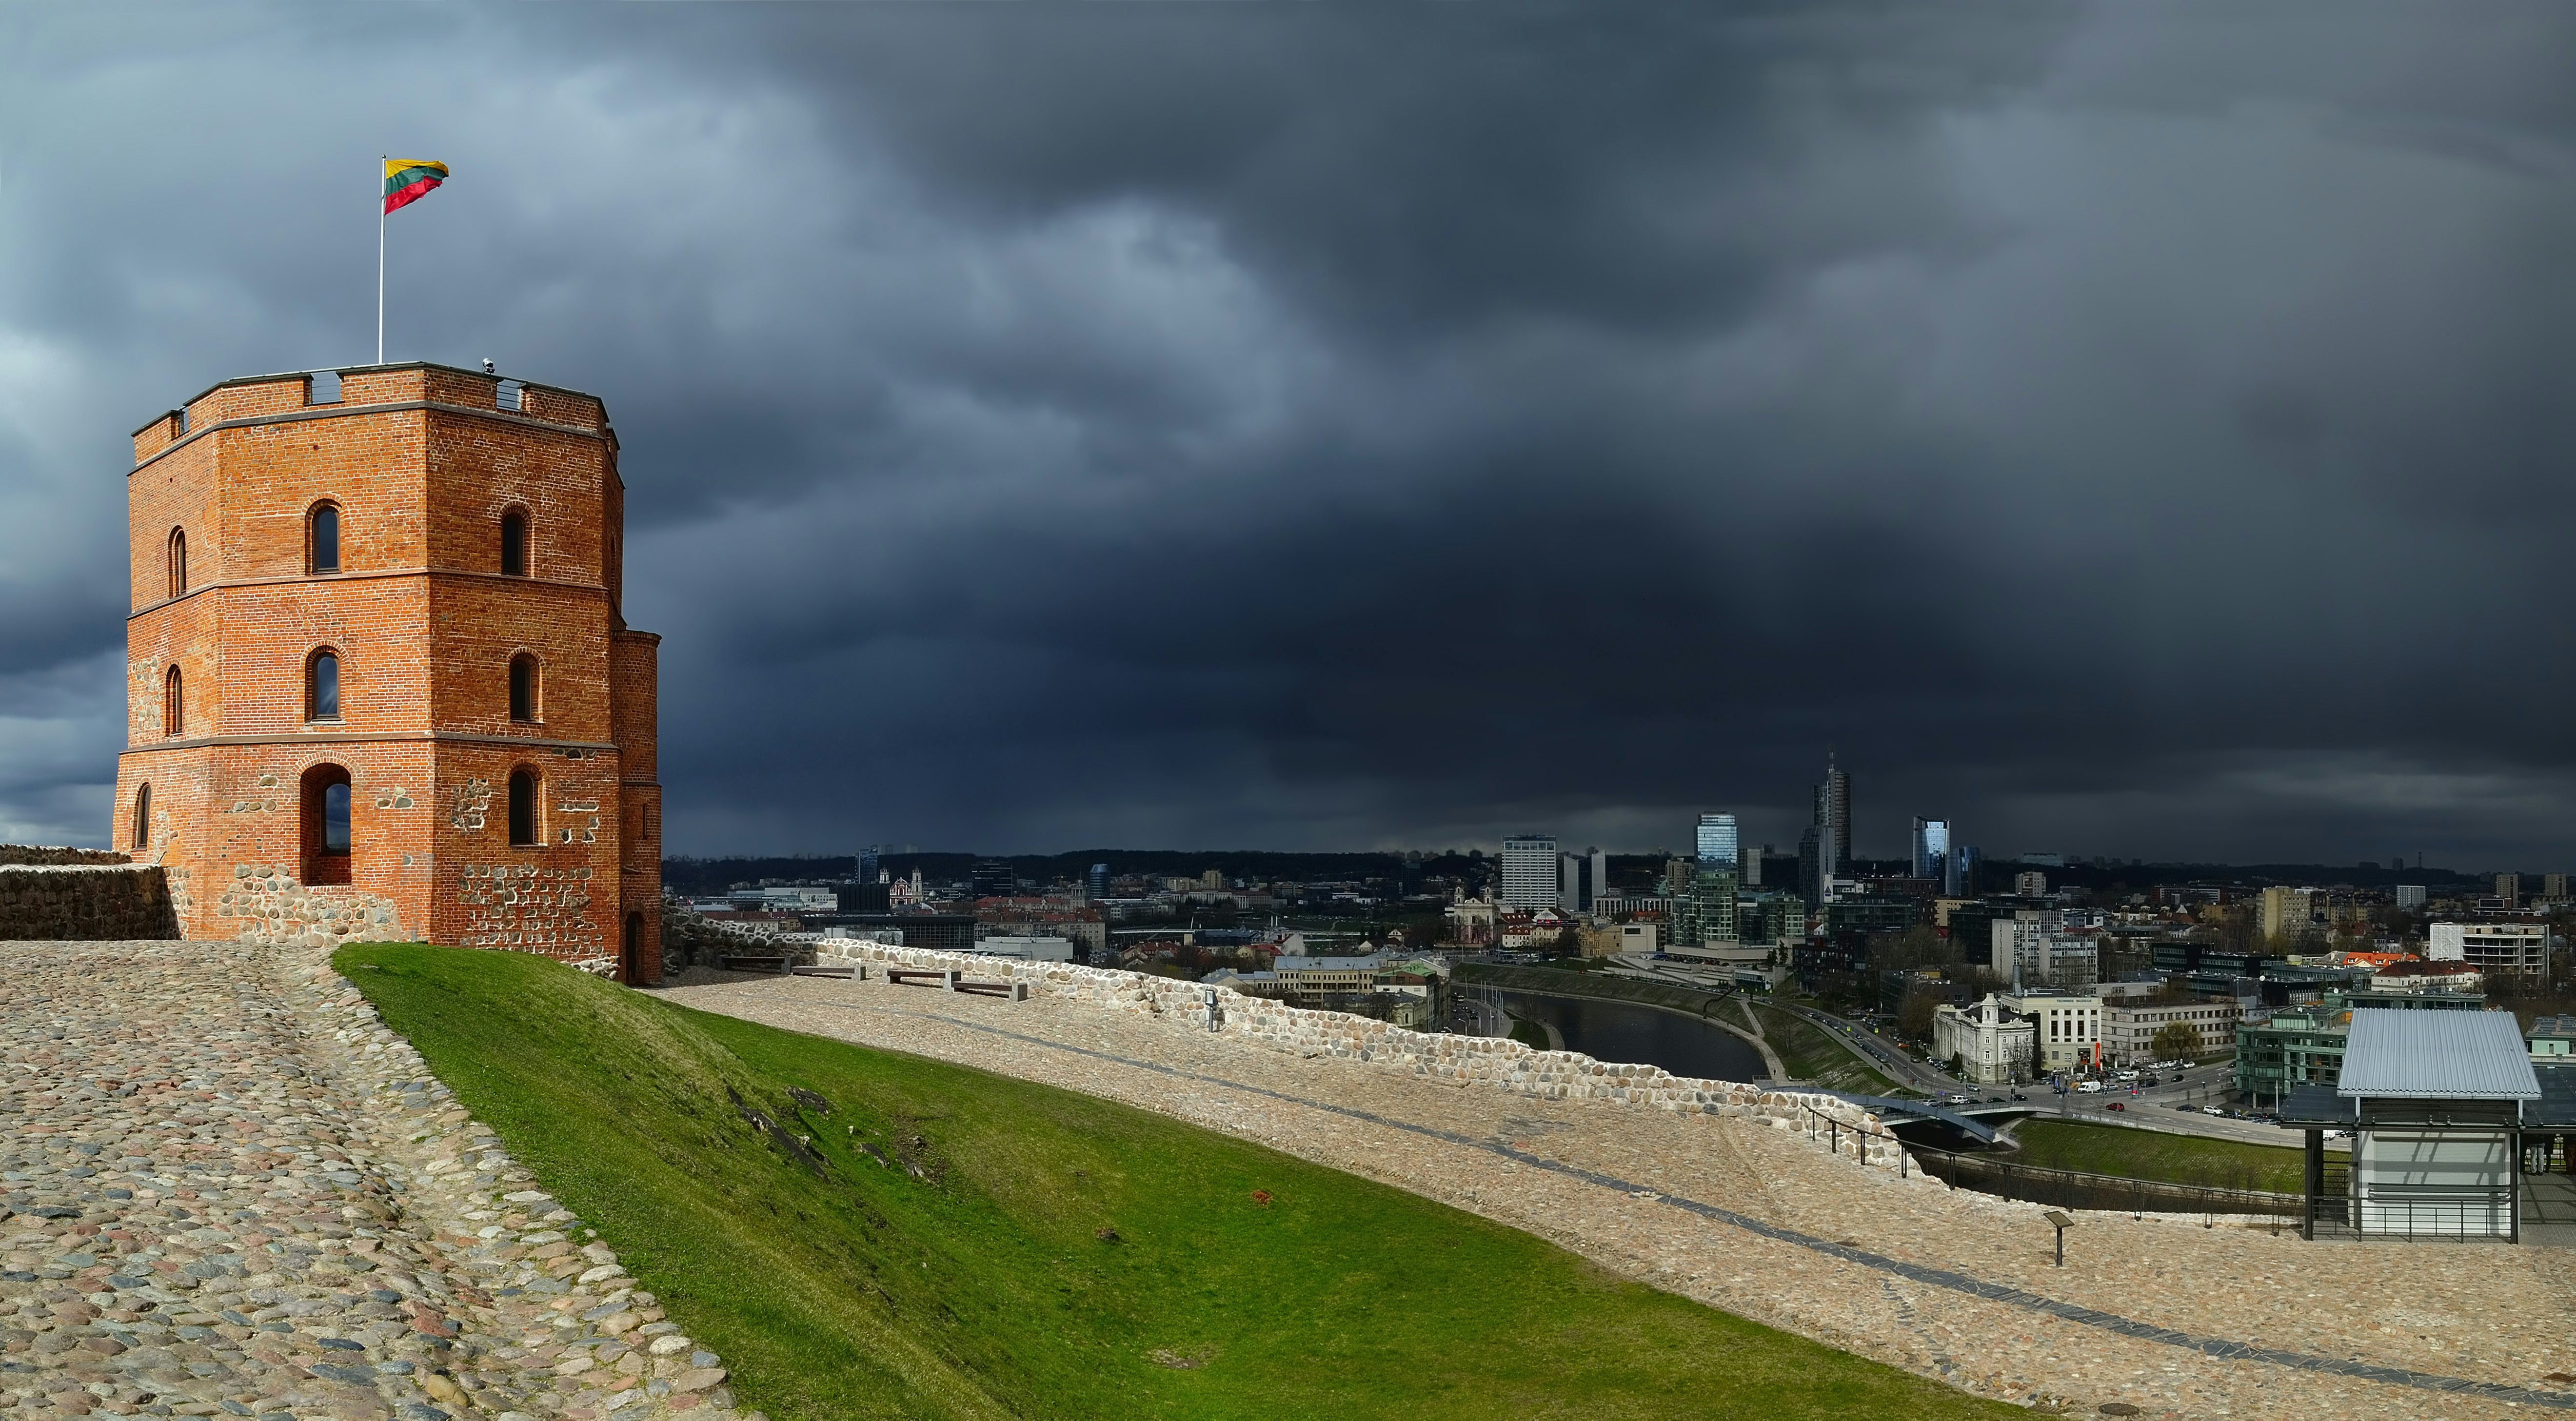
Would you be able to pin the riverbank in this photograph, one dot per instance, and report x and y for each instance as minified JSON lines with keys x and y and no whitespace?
{"x":1702,"y":1007}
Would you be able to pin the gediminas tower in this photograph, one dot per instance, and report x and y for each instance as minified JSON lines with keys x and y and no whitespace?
{"x":378,"y":682}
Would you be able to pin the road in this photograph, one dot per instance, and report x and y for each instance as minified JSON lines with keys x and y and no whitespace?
{"x":2155,"y":1107}
{"x":1873,"y":1049}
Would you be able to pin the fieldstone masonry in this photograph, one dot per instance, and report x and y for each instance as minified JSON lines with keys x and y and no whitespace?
{"x":82,"y":895}
{"x":227,"y":1189}
{"x":1466,"y":1061}
{"x":271,"y":907}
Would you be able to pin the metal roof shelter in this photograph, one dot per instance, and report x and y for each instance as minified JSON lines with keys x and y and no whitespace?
{"x":2443,"y":1107}
{"x":2436,"y":1055}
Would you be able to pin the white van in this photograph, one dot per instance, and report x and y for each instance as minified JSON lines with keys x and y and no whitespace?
{"x":2089,"y":1088}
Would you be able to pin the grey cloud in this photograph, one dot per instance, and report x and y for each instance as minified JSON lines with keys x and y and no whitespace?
{"x":2123,"y":430}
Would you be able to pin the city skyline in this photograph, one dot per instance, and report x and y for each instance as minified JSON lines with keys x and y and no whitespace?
{"x":1097,"y":426}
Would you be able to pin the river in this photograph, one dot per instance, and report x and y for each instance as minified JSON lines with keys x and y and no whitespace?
{"x":1630,"y":1034}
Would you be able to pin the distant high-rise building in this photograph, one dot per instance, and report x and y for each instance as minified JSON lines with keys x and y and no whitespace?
{"x":2410,"y":895}
{"x":1716,"y":841}
{"x":2287,"y":912}
{"x":2032,"y":884}
{"x":1811,"y":866}
{"x":1095,"y":884}
{"x":1530,"y":875}
{"x":867,"y":870}
{"x":1833,"y":816}
{"x":2553,"y":885}
{"x":1932,"y":854}
{"x":992,"y":878}
{"x":1964,"y":863}
{"x":1580,"y":878}
{"x":1752,"y":870}
{"x":2509,"y":889}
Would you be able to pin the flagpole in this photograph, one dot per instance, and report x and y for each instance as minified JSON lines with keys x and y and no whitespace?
{"x":380,"y":259}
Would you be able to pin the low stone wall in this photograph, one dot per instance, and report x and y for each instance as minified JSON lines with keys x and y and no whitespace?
{"x":1464,"y":1061}
{"x":40,"y":856}
{"x":86,"y":902}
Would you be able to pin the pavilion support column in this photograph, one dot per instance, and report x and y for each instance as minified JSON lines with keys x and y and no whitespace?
{"x":2316,"y":1183}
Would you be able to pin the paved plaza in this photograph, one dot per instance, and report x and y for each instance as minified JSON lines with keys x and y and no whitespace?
{"x":230,"y":1191}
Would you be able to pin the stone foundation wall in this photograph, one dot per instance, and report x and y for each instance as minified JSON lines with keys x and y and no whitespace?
{"x":691,"y":939}
{"x":85,"y":902}
{"x":1464,"y":1061}
{"x":265,"y":904}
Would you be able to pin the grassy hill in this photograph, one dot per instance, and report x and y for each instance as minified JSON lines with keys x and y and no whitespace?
{"x":2152,"y":1154}
{"x":961,"y":1244}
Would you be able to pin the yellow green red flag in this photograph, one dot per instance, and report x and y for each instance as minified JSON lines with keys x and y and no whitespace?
{"x":408,"y":180}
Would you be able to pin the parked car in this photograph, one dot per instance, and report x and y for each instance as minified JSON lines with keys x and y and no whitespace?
{"x":2089,"y":1088}
{"x":2212,"y":1110}
{"x":2185,"y":1106}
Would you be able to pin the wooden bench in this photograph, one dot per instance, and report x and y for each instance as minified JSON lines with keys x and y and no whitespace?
{"x":857,"y":972}
{"x":952,"y":980}
{"x":755,"y":962}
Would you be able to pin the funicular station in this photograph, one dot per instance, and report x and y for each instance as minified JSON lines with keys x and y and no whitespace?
{"x":2454,"y":1133}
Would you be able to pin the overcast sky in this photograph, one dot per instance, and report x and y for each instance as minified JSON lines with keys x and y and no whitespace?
{"x":2142,"y":430}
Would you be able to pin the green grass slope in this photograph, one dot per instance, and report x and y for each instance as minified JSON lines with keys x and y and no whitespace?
{"x":2149,"y":1154}
{"x":962,"y":1244}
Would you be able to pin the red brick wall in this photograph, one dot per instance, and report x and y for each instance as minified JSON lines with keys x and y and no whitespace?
{"x":425,"y":625}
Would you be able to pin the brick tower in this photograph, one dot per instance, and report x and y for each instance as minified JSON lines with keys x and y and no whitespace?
{"x":378,"y":684}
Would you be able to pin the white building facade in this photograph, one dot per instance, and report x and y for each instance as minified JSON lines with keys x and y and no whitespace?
{"x":2066,"y":1028}
{"x":1987,"y":1042}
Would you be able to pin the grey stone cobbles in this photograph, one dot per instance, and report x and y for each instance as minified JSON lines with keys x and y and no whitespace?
{"x":230,"y":1190}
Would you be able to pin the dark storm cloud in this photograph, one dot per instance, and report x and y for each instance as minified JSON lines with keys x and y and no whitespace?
{"x":2123,"y":430}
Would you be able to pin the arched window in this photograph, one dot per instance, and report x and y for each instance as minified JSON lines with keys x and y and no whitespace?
{"x":523,"y":806}
{"x":325,"y":826}
{"x":322,"y":686}
{"x":140,"y":834}
{"x":174,"y":705}
{"x":514,"y":542}
{"x":322,"y":538}
{"x":178,"y":564}
{"x":523,"y":687}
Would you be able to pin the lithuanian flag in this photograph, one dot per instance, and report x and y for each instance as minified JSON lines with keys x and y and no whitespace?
{"x":408,"y":180}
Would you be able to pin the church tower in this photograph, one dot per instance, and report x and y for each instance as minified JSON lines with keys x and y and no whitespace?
{"x":378,"y":684}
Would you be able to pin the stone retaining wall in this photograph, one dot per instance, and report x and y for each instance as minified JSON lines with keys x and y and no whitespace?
{"x":39,"y":855}
{"x":1463,"y":1061}
{"x":85,"y":901}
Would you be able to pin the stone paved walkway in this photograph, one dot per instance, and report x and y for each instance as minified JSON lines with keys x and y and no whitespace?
{"x":2163,"y":1315}
{"x":227,"y":1189}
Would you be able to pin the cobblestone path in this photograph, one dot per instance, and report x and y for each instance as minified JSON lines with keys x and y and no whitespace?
{"x":226,"y":1189}
{"x":2162,"y":1315}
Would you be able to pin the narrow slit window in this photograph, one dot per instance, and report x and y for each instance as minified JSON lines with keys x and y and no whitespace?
{"x":523,"y":807}
{"x":140,"y":833}
{"x":178,"y":562}
{"x":514,"y":543}
{"x":178,"y":424}
{"x":324,"y":538}
{"x":335,"y":818}
{"x":523,"y":687}
{"x":322,"y":686}
{"x":322,"y":388}
{"x":174,"y":705}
